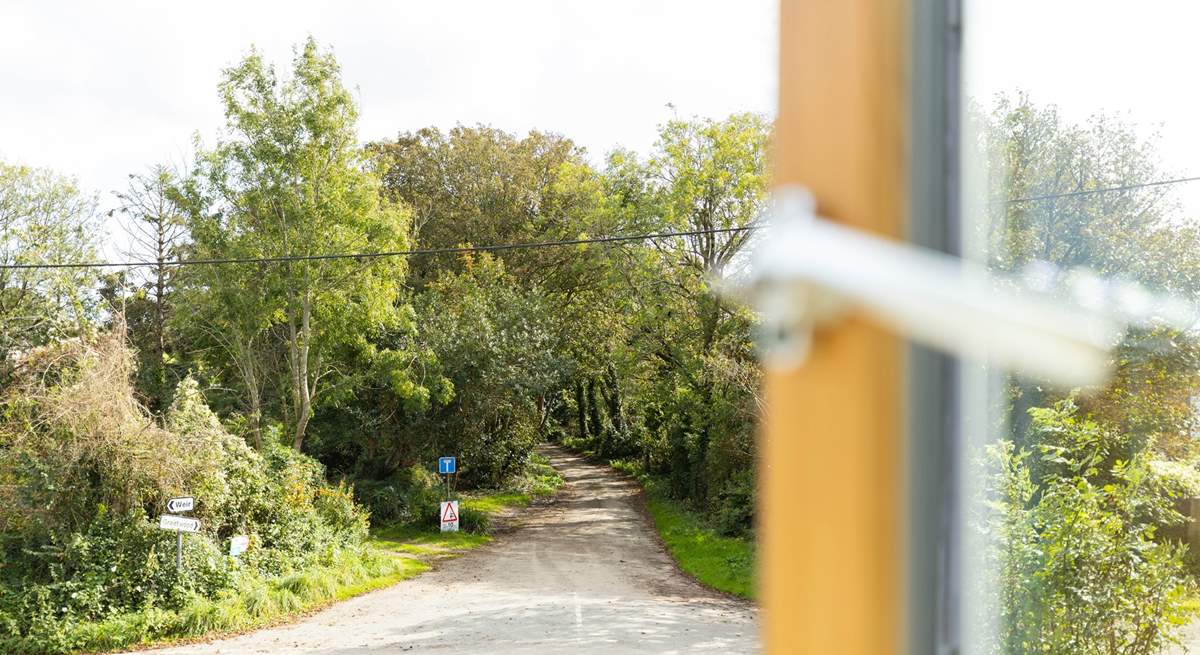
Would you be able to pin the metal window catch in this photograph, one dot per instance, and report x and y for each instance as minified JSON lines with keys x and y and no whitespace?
{"x":1053,"y":325}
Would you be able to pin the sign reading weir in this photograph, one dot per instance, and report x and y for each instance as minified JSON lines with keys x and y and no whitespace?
{"x":181,"y":504}
{"x":449,"y":515}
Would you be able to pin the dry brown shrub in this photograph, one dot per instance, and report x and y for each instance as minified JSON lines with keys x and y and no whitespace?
{"x":73,"y":437}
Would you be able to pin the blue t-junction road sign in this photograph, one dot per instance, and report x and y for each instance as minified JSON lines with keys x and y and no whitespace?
{"x":447,"y":465}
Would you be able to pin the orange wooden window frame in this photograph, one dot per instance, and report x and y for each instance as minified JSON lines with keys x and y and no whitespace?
{"x":831,"y":565}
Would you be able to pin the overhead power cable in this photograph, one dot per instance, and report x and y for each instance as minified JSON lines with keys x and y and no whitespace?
{"x":1089,"y":192}
{"x":377,"y":255}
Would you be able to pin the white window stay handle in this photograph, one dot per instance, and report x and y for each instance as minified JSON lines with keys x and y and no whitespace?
{"x":807,"y":270}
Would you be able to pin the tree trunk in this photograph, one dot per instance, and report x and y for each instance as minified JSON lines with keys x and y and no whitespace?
{"x":612,"y":396}
{"x":581,"y":405}
{"x":256,"y":418}
{"x":250,"y":377}
{"x":543,"y":416}
{"x":594,"y":414}
{"x":299,"y":348}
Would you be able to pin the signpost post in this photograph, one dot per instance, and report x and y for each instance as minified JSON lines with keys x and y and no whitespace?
{"x":447,"y":466}
{"x":180,"y":524}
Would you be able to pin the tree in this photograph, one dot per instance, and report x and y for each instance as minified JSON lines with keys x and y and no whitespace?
{"x":713,"y":177}
{"x":1076,"y":195}
{"x":1072,"y":511}
{"x":706,"y":176}
{"x":476,"y":185}
{"x":1071,"y":544}
{"x":288,"y":180}
{"x":1044,"y":174}
{"x":44,"y":219}
{"x":156,"y":226}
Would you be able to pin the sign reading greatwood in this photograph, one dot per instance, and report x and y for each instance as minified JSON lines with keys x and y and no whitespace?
{"x":178,"y":523}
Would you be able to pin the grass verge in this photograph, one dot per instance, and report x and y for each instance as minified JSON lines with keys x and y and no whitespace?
{"x":423,"y":540}
{"x":723,"y":563}
{"x":715,"y":560}
{"x":253,"y":602}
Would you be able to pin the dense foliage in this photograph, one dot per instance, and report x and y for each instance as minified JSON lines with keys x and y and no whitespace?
{"x":44,"y":217}
{"x":83,"y":470}
{"x":1077,"y":567}
{"x":623,"y":348}
{"x":244,"y":382}
{"x":1079,"y":511}
{"x":623,"y":345}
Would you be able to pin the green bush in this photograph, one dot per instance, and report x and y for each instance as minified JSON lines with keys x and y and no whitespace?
{"x":86,"y":472}
{"x":473,"y":520}
{"x":735,"y":505}
{"x":406,"y":496}
{"x":1071,"y":533}
{"x":540,"y":478}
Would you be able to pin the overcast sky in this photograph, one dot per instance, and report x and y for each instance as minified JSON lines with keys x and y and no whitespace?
{"x":103,"y":89}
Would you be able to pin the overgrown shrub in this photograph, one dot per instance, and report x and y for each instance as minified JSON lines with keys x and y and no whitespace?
{"x":406,"y":496}
{"x":85,"y":473}
{"x":1071,"y":537}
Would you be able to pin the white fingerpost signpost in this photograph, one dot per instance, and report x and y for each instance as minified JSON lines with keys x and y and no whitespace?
{"x":180,"y":524}
{"x":448,"y":512}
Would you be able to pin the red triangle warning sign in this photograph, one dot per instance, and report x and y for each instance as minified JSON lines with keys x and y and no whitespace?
{"x":448,"y":514}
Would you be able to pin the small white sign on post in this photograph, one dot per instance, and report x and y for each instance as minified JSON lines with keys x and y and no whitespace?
{"x":449,"y":514}
{"x":238,"y":544}
{"x":178,"y":523}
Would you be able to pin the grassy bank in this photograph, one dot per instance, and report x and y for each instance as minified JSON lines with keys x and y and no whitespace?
{"x":252,"y":602}
{"x":723,"y":563}
{"x":715,"y":560}
{"x":391,"y":554}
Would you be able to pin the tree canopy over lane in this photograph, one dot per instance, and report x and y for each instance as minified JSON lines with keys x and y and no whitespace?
{"x":628,"y":325}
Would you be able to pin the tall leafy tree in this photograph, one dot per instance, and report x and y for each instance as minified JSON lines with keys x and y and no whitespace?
{"x":1077,"y":195}
{"x":704,"y":176}
{"x":45,"y":218}
{"x":288,"y":179}
{"x":477,"y":185}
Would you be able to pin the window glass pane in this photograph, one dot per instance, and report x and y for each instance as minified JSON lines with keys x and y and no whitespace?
{"x":1080,"y":156}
